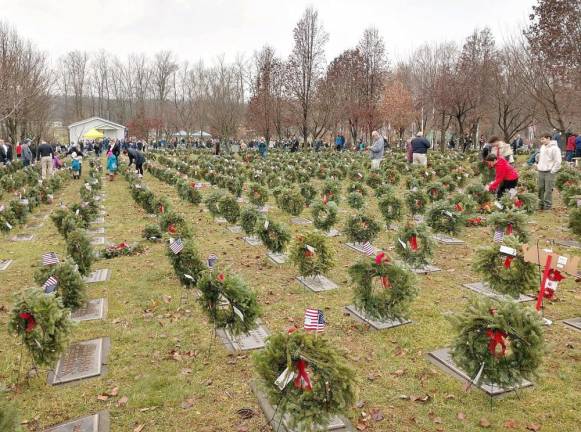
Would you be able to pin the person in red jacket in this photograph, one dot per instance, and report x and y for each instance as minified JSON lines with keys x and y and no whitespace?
{"x":506,"y":176}
{"x":570,"y":149}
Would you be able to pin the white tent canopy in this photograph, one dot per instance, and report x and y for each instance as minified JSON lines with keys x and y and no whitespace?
{"x":196,"y":134}
{"x":109,"y":129}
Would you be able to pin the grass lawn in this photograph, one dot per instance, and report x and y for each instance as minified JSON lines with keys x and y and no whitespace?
{"x":171,"y":376}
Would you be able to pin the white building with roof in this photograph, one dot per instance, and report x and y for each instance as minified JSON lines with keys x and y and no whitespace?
{"x":110,"y":129}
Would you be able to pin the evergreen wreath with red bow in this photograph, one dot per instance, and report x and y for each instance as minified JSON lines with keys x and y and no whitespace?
{"x":414,"y":244}
{"x":312,"y":254}
{"x":319,"y":383}
{"x":42,"y":323}
{"x":382,"y":289}
{"x":498,"y":343}
{"x":505,"y":273}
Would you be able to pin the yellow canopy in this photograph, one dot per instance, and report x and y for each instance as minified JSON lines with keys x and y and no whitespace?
{"x":93,"y":134}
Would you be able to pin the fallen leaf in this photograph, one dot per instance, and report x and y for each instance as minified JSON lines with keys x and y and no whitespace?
{"x":123,"y":401}
{"x":361,"y":426}
{"x":484,"y":423}
{"x":187,"y":404}
{"x":437,"y":420}
{"x":360,"y":404}
{"x":114,"y":391}
{"x":511,"y":424}
{"x":376,"y":414}
{"x":461,"y":416}
{"x":102,"y":397}
{"x":534,"y":427}
{"x":246,"y":413}
{"x":398,"y":372}
{"x":138,"y":428}
{"x":421,"y":399}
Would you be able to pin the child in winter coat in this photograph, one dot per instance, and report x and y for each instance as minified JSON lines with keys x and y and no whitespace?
{"x":76,"y":166}
{"x":111,"y":165}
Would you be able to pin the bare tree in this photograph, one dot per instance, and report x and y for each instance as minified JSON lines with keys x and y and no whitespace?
{"x":76,"y":69}
{"x":162,"y":71}
{"x":306,"y":65}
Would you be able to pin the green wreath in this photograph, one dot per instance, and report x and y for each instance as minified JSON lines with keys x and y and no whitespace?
{"x":435,"y":191}
{"x":324,"y":215}
{"x":175,"y":225}
{"x":228,"y":301}
{"x":506,"y":274}
{"x":361,"y":228}
{"x":442,"y":218}
{"x":229,"y":208}
{"x":390,"y":297}
{"x":43,"y":324}
{"x":416,"y":201}
{"x":355,"y":200}
{"x":273,"y":235}
{"x":9,"y":419}
{"x":510,"y":222}
{"x":523,"y":201}
{"x":187,"y":265}
{"x":308,"y":192}
{"x":257,"y":194}
{"x":331,"y":191}
{"x":80,"y":250}
{"x":479,"y":193}
{"x":212,"y":201}
{"x":151,"y":232}
{"x":502,"y":341}
{"x":418,"y":252}
{"x":332,"y":380}
{"x":70,"y":288}
{"x":575,"y":221}
{"x":249,"y":218}
{"x":391,"y":208}
{"x":312,"y":254}
{"x":188,"y":192}
{"x":463,"y":203}
{"x":291,"y":201}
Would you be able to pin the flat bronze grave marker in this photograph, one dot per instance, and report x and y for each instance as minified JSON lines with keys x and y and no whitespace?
{"x":277,"y":258}
{"x":375,"y":324}
{"x":94,"y":423}
{"x":446,"y":239}
{"x":82,"y":360}
{"x":98,"y":241}
{"x":235,"y":229}
{"x":444,"y":361}
{"x":569,"y":243}
{"x":253,"y":241}
{"x":93,"y":310}
{"x":23,"y":237}
{"x":317,"y":283}
{"x":5,"y":263}
{"x":98,"y":230}
{"x":220,"y":220}
{"x":426,"y":269}
{"x":574,"y":323}
{"x":483,"y":289}
{"x":254,"y":339}
{"x":279,"y":423}
{"x":332,"y":233}
{"x":99,"y":220}
{"x":301,"y":221}
{"x":101,"y":275}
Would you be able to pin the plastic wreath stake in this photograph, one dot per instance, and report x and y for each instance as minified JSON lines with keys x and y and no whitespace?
{"x":383,"y":290}
{"x":43,"y":324}
{"x":361,"y":228}
{"x":497,"y":343}
{"x":324,"y":215}
{"x":312,"y":254}
{"x":306,"y":378}
{"x":273,"y":235}
{"x":414,"y":245}
{"x":228,"y":302}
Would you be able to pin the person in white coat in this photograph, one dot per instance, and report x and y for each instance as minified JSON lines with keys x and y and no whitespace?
{"x":548,"y":165}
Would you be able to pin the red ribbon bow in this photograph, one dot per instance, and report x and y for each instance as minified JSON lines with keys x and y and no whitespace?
{"x":122,"y":246}
{"x":496,"y":338}
{"x":220,"y":277}
{"x":509,"y":229}
{"x":518,"y":203}
{"x":507,"y":261}
{"x":193,"y":185}
{"x":302,"y":380}
{"x":308,"y":253}
{"x":171,"y":229}
{"x":414,"y":243}
{"x":554,"y":277}
{"x":458,"y":207}
{"x":30,"y":321}
{"x":325,"y":199}
{"x":161,"y":209}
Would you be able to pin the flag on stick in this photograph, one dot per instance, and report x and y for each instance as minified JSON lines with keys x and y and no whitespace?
{"x":176,"y":246}
{"x":314,"y":320}
{"x":50,"y":258}
{"x":50,"y":285}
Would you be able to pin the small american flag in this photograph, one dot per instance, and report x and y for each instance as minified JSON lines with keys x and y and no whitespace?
{"x":314,"y":320}
{"x":50,"y":285}
{"x":498,"y":235}
{"x":50,"y":258}
{"x":176,"y":246}
{"x":368,"y":249}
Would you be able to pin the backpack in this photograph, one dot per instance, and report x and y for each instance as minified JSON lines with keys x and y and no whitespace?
{"x":76,"y":165}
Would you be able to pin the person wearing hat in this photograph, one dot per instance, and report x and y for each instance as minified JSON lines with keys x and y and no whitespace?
{"x":420,"y":147}
{"x":76,"y":165}
{"x":27,"y":157}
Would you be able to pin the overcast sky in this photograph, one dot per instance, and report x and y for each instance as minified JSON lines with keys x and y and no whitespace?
{"x":204,"y":29}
